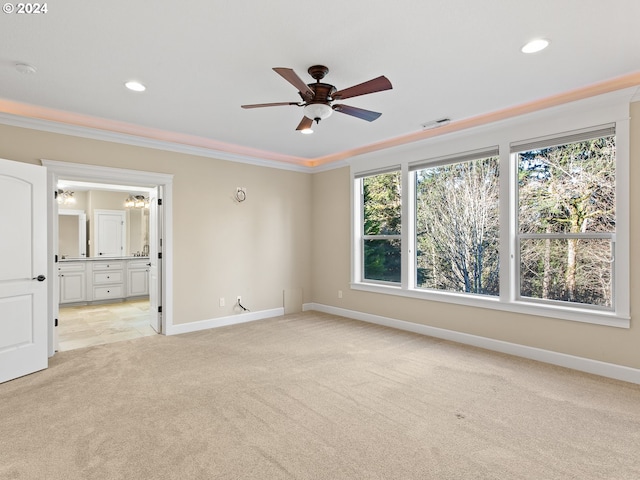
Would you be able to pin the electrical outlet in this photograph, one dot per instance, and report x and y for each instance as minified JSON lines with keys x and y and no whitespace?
{"x":222,"y":301}
{"x":339,"y":293}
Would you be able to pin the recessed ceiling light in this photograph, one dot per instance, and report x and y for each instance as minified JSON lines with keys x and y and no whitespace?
{"x":535,"y":45}
{"x":135,"y":86}
{"x":306,"y":131}
{"x":25,"y":68}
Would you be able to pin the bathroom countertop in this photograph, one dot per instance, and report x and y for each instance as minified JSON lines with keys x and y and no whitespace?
{"x":94,"y":259}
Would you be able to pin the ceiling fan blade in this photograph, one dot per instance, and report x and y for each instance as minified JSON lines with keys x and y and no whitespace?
{"x":305,"y":123}
{"x":367,"y":115}
{"x":292,"y":77}
{"x":376,"y":85}
{"x":260,"y":105}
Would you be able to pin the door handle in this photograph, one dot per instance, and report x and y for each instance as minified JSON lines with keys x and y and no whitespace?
{"x":40,"y":278}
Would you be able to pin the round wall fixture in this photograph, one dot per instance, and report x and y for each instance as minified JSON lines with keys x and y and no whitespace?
{"x":241,"y":194}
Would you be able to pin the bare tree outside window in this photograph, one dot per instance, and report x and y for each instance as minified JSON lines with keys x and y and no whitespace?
{"x":457,"y":231}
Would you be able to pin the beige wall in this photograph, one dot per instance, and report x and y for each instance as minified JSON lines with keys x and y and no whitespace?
{"x":293,"y":231}
{"x":256,"y":249}
{"x":331,"y":268}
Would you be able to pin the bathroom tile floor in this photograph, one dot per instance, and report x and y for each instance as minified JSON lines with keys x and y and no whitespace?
{"x":88,"y":325}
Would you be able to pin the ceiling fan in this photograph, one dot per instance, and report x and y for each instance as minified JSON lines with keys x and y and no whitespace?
{"x":317,"y":98}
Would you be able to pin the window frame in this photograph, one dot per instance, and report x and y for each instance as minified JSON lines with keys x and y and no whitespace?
{"x":555,"y":123}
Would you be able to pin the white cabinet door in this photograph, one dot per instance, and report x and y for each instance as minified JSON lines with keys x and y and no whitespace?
{"x":72,"y":287}
{"x":109,"y":233}
{"x":23,"y":256}
{"x":138,"y":282}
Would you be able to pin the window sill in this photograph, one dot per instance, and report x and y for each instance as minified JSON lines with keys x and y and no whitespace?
{"x":607,"y":318}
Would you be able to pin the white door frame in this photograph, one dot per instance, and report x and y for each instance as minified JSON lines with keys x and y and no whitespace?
{"x":117,"y":176}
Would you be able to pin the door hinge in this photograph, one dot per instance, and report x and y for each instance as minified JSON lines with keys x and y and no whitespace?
{"x":159,"y":308}
{"x":56,"y":258}
{"x":56,"y":323}
{"x":55,"y":194}
{"x":159,"y":254}
{"x":159,"y":201}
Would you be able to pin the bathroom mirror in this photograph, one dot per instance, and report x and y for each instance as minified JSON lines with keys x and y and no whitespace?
{"x":72,"y":233}
{"x":77,"y":227}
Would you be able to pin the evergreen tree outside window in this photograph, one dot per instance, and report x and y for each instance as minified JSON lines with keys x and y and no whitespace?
{"x":567,"y":219}
{"x":382,"y":227}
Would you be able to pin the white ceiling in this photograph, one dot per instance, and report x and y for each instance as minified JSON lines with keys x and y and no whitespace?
{"x":202,"y":59}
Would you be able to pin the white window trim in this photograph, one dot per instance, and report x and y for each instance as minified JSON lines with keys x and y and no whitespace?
{"x":554,"y":122}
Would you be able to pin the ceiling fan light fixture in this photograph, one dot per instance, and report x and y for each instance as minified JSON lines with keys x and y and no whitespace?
{"x":306,"y":131}
{"x":317,"y":111}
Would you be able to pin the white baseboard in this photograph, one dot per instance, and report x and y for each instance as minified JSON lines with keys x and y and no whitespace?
{"x":610,"y":370}
{"x":224,"y":321}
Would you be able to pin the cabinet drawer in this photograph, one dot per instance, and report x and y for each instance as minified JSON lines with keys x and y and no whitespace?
{"x":138,"y":265}
{"x":105,"y":293}
{"x":107,"y":266}
{"x":107,"y":277}
{"x":71,"y":267}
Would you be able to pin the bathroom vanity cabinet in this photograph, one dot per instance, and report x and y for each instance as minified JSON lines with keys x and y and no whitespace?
{"x":99,"y":280}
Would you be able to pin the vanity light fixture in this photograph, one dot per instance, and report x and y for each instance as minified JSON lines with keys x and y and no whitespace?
{"x":65,"y":197}
{"x":136,"y":201}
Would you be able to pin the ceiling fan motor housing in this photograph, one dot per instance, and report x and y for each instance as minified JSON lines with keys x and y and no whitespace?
{"x":319,"y":107}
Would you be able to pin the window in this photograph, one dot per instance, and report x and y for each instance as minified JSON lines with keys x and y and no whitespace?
{"x":381,"y":227}
{"x":457,"y":225}
{"x":567,"y":218}
{"x":538,"y":226}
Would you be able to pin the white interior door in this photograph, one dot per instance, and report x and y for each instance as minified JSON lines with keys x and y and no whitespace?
{"x":155,"y":233}
{"x":109,"y":233}
{"x":23,"y":256}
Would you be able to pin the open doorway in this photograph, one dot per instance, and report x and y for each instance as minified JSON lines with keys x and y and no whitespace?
{"x":120,"y":278}
{"x":103,"y":263}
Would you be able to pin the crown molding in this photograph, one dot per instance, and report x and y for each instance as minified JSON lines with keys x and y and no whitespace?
{"x":54,"y":121}
{"x":139,"y":141}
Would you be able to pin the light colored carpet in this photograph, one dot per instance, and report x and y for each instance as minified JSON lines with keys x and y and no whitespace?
{"x":313,"y":396}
